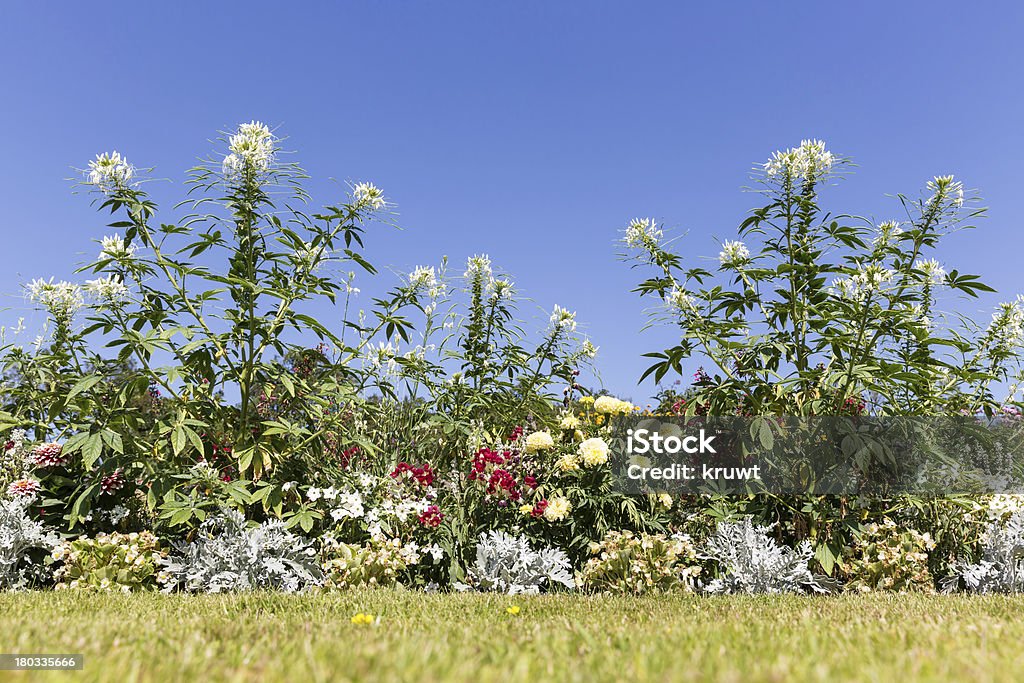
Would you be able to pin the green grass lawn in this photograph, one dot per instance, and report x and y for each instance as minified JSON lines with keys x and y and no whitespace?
{"x":552,"y":639}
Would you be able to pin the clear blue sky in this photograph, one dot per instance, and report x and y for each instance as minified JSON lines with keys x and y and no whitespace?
{"x":532,"y":131}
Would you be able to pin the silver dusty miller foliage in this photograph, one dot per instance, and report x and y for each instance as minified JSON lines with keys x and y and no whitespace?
{"x":228,"y":555}
{"x":752,"y":562}
{"x":508,"y":564}
{"x":19,"y":535}
{"x":1001,"y":568}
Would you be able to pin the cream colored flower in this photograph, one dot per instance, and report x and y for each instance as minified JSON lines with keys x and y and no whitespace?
{"x":558,"y":508}
{"x":594,"y":451}
{"x":539,"y":441}
{"x":570,"y":422}
{"x":607,"y":405}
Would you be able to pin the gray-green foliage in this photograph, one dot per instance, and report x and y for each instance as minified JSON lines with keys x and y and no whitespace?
{"x":752,"y":562}
{"x":507,"y":564}
{"x":228,"y":555}
{"x":1001,"y":567}
{"x":19,"y":536}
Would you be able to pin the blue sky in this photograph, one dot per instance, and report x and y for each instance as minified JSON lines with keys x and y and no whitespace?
{"x":531,"y":131}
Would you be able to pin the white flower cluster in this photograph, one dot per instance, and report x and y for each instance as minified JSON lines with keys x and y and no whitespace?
{"x":61,"y":299}
{"x":424,"y":278}
{"x":563,"y":319}
{"x":643,"y":233}
{"x":358,"y":503}
{"x":733,"y":254}
{"x":933,"y":271}
{"x":110,"y":172}
{"x":113,"y":247}
{"x":500,"y":289}
{"x":479,"y":267}
{"x":866,"y":281}
{"x":1006,"y":331}
{"x":946,"y":194}
{"x":251,"y":148}
{"x":679,"y":301}
{"x":368,"y":196}
{"x":808,"y":162}
{"x":888,"y":232}
{"x":108,"y":290}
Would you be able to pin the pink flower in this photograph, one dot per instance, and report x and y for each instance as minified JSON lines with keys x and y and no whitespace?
{"x":112,"y":482}
{"x":432,"y":517}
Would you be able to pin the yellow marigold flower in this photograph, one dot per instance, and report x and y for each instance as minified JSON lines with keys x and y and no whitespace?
{"x":665,"y":500}
{"x":594,"y":451}
{"x":513,"y":610}
{"x":526,"y":509}
{"x":587,"y":400}
{"x":362,"y":619}
{"x":539,"y":441}
{"x":599,"y":420}
{"x":558,"y":508}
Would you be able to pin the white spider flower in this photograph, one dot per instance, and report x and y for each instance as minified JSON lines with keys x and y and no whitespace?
{"x":643,"y":233}
{"x":734,"y":253}
{"x":501,"y":289}
{"x":110,"y":172}
{"x":368,"y":196}
{"x":863,"y":283}
{"x":887,"y":233}
{"x":251,"y":148}
{"x":563,"y":319}
{"x":478,"y":267}
{"x":61,"y":299}
{"x":679,"y":301}
{"x":113,"y":247}
{"x":107,"y":289}
{"x":947,"y":194}
{"x":933,"y":271}
{"x":808,"y":162}
{"x":423,"y":277}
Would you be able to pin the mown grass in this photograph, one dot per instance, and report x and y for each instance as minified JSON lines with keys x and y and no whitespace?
{"x":556,"y":638}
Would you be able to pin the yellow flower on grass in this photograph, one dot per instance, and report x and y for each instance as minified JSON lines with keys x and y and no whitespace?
{"x":557,"y":509}
{"x":362,"y":619}
{"x":513,"y":610}
{"x":539,"y":441}
{"x":594,"y":451}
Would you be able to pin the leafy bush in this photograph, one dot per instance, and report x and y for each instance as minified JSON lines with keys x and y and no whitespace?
{"x":626,"y":563}
{"x":227,"y":555}
{"x":23,"y":541}
{"x":752,"y":562}
{"x":378,"y":563}
{"x":888,"y":557}
{"x":124,"y":562}
{"x":508,"y":564}
{"x":1001,"y":567}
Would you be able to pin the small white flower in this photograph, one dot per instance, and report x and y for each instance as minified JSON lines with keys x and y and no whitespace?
{"x":734,"y":254}
{"x":251,"y":148}
{"x":643,"y":233}
{"x":478,"y":266}
{"x":679,"y":301}
{"x":61,"y":299}
{"x":808,"y":162}
{"x":947,"y":194}
{"x":109,"y":289}
{"x":423,"y":278}
{"x":113,"y":247}
{"x":563,"y":319}
{"x":933,"y":271}
{"x":110,"y":172}
{"x":368,"y":196}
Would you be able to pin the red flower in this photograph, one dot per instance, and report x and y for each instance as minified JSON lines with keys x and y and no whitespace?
{"x":538,"y":509}
{"x":432,"y":517}
{"x":112,"y":482}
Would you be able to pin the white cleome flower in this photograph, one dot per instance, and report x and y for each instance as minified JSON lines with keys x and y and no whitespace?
{"x":251,"y":149}
{"x":808,"y":162}
{"x":423,"y":277}
{"x":110,"y":172}
{"x":643,"y":233}
{"x":946,"y":194}
{"x":368,"y":196}
{"x":679,"y":301}
{"x":734,"y":253}
{"x":934,"y":273}
{"x":563,"y":319}
{"x":866,"y":281}
{"x":61,"y":299}
{"x":113,"y":247}
{"x":478,"y":266}
{"x":887,"y":233}
{"x":107,"y":289}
